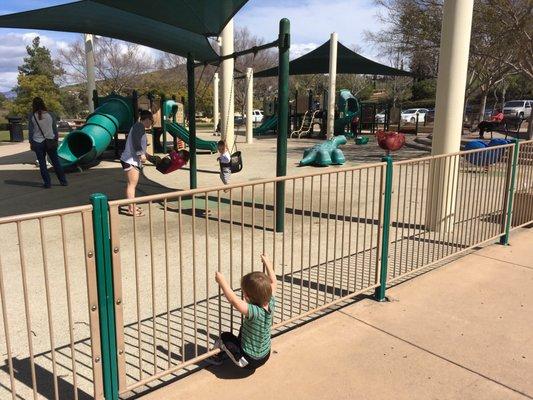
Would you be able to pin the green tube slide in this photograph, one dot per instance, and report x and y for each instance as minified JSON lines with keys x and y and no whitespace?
{"x":341,"y":123}
{"x":82,"y":146}
{"x":176,"y":130}
{"x":269,"y":125}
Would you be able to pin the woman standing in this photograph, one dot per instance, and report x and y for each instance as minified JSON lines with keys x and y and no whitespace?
{"x":43,"y":134}
{"x":134,"y":156}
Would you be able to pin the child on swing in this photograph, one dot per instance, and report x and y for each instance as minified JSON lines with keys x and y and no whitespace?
{"x":224,"y":159}
{"x":251,"y":349}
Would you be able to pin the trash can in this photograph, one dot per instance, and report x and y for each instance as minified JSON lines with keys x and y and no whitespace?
{"x":15,"y":129}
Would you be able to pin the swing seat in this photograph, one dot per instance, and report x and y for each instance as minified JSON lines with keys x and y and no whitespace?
{"x":235,"y":163}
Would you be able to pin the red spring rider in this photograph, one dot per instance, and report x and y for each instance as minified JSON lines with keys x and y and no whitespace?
{"x":390,"y":141}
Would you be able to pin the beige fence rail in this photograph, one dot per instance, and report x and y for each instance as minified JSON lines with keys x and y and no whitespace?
{"x":50,"y":333}
{"x":172,"y":309}
{"x":523,"y":195}
{"x":466,"y":192}
{"x":169,"y":310}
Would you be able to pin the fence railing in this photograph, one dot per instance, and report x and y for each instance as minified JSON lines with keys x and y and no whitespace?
{"x":172,"y":309}
{"x":113,"y":304}
{"x":50,"y":313}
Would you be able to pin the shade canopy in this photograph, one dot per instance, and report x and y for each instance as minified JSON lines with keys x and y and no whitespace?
{"x":174,"y":26}
{"x":348,"y":62}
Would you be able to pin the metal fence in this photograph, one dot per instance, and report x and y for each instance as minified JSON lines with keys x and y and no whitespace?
{"x":144,"y":299}
{"x":468,"y":193}
{"x":172,"y":309}
{"x":50,"y":310}
{"x":522,"y":207}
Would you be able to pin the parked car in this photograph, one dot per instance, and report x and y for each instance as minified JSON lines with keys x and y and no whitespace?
{"x":66,"y":125}
{"x":518,"y":108}
{"x":238,"y":120}
{"x":410,"y":115}
{"x":257,"y":116}
{"x":380,"y":117}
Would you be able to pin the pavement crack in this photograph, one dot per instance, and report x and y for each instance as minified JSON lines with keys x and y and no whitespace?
{"x":438,"y":355}
{"x":504,"y":261}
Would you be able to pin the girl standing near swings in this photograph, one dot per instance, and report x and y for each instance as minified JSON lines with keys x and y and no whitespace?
{"x":134,"y":156}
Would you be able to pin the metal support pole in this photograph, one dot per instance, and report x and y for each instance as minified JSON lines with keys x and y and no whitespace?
{"x":191,"y":100}
{"x":387,"y":199}
{"x":249,"y":105}
{"x":332,"y":83}
{"x":106,"y":299}
{"x":174,"y":119}
{"x":215,"y":102}
{"x":163,"y":125}
{"x":89,"y":65}
{"x":510,"y":194}
{"x":283,"y":119}
{"x":228,"y":90}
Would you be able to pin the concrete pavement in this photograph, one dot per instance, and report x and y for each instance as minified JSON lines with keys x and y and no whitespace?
{"x":462,"y":331}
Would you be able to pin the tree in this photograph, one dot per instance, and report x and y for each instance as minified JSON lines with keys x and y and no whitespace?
{"x":2,"y":100}
{"x":511,"y":22}
{"x":39,"y":61}
{"x":119,"y":65}
{"x":417,"y":39}
{"x":73,"y":103}
{"x":243,"y":40}
{"x":30,"y":86}
{"x":424,"y":89}
{"x":36,"y":79}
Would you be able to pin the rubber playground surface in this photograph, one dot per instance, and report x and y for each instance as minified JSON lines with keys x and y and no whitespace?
{"x":20,"y":181}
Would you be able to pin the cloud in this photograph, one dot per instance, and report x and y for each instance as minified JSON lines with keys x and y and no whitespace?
{"x":13,"y":50}
{"x":299,"y":49}
{"x":312,"y":21}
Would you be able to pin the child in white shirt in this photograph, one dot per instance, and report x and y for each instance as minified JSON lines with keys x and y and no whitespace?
{"x":224,"y":161}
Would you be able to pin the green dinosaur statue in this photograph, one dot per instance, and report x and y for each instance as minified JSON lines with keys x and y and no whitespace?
{"x":325,"y":154}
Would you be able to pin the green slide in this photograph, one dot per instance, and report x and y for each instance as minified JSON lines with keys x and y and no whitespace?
{"x":340,"y":123}
{"x":269,"y":125}
{"x":179,"y":131}
{"x":82,"y":146}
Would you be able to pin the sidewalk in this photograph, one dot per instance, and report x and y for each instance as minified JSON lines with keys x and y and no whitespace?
{"x":462,"y":331}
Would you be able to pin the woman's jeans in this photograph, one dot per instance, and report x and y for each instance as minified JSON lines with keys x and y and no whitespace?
{"x":41,"y":152}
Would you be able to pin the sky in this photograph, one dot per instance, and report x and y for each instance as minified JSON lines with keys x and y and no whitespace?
{"x":312,"y":22}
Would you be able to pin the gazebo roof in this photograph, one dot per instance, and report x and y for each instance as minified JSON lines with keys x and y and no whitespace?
{"x":348,"y":62}
{"x":175,"y":26}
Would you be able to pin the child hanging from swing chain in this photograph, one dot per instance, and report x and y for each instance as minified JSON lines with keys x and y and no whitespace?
{"x":251,"y":349}
{"x":224,"y":160}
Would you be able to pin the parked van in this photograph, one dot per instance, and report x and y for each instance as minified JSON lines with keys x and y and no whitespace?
{"x":518,"y":108}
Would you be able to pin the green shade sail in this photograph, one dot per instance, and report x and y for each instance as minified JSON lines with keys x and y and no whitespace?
{"x":174,"y":26}
{"x":204,"y":17}
{"x":348,"y":62}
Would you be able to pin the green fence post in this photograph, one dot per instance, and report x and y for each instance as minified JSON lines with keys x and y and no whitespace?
{"x":283,"y":119}
{"x":380,"y":290}
{"x":504,"y":239}
{"x":104,"y":279}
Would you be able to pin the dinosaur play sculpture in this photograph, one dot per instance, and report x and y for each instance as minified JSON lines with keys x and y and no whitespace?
{"x":325,"y":154}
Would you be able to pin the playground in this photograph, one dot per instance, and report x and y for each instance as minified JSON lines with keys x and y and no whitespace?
{"x":383,"y":253}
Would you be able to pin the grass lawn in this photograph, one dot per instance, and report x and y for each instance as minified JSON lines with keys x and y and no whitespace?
{"x":4,"y":135}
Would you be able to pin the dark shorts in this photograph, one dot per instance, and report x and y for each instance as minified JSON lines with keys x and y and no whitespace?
{"x":127,"y":167}
{"x":231,"y":345}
